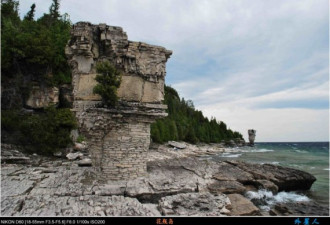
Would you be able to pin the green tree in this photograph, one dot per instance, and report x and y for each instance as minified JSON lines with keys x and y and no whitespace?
{"x":54,"y":9}
{"x":33,"y":50}
{"x":190,"y":136}
{"x":173,"y":130}
{"x":10,"y":52}
{"x":48,"y":132}
{"x":155,"y":134}
{"x":108,"y":79}
{"x":30,"y":15}
{"x":184,"y":122}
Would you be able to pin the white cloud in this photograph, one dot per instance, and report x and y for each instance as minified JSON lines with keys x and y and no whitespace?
{"x":258,"y":61}
{"x":275,"y":124}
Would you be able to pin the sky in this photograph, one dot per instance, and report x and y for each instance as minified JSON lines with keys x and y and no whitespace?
{"x":253,"y":64}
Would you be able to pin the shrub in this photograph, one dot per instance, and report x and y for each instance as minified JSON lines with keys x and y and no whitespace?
{"x":80,"y":138}
{"x":42,"y":133}
{"x":108,"y":79}
{"x":9,"y":120}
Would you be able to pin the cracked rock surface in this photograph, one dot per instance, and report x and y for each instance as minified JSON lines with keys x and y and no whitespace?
{"x":177,"y":186}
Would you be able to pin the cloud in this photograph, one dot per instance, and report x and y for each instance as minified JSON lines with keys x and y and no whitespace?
{"x":263,"y":58}
{"x":283,"y":125}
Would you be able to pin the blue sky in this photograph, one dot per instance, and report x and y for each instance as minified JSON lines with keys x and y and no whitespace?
{"x":250,"y":63}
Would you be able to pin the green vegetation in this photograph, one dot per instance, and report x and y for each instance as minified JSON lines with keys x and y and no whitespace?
{"x":43,"y":133}
{"x":32,"y":47}
{"x":185,"y":123}
{"x":108,"y":79}
{"x":33,"y":51}
{"x":80,"y":138}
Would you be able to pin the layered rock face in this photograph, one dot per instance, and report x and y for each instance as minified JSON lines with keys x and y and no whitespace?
{"x":119,"y":138}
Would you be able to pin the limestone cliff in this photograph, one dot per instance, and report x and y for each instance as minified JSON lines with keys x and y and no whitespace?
{"x":142,"y":65}
{"x":119,"y":137}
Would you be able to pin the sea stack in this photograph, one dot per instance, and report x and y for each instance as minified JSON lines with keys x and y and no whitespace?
{"x":118,"y":137}
{"x":252,"y":136}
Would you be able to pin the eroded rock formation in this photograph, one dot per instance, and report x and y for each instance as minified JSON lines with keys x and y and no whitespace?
{"x":119,"y":137}
{"x":252,"y":136}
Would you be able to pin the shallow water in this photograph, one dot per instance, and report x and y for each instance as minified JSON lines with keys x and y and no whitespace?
{"x":312,"y":157}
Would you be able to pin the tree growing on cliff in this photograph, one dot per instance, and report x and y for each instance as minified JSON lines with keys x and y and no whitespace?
{"x":108,"y":79}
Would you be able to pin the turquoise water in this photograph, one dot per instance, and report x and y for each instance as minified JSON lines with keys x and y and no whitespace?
{"x":312,"y":157}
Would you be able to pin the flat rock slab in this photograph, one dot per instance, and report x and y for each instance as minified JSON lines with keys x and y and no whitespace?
{"x":177,"y":145}
{"x":85,"y":162}
{"x":241,"y":206}
{"x":286,"y":179}
{"x":194,"y":204}
{"x":226,"y":187}
{"x":46,"y":205}
{"x":15,"y":186}
{"x":300,"y":208}
{"x":177,"y":186}
{"x":74,"y":156}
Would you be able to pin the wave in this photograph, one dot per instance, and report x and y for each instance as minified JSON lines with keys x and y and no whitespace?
{"x":230,"y":156}
{"x":257,"y":150}
{"x":326,"y":169}
{"x":262,"y":150}
{"x":301,"y":151}
{"x":274,"y":163}
{"x":264,"y":198}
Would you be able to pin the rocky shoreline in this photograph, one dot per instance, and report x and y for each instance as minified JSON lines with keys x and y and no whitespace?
{"x":179,"y":183}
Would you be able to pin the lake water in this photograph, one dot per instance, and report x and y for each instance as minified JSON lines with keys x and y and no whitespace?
{"x":312,"y":157}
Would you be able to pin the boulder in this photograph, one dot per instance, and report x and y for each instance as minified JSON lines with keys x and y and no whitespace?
{"x":58,"y":154}
{"x":79,"y":146}
{"x":241,"y":206}
{"x":286,"y":179}
{"x":85,"y":162}
{"x":266,"y":184}
{"x":177,"y":145}
{"x":74,"y":156}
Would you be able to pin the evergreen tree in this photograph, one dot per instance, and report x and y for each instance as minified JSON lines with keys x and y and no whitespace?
{"x":54,"y":10}
{"x":184,"y":122}
{"x":10,"y":51}
{"x":155,"y":134}
{"x":33,"y":51}
{"x":173,"y":130}
{"x":190,"y":136}
{"x":30,"y":15}
{"x":108,"y":79}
